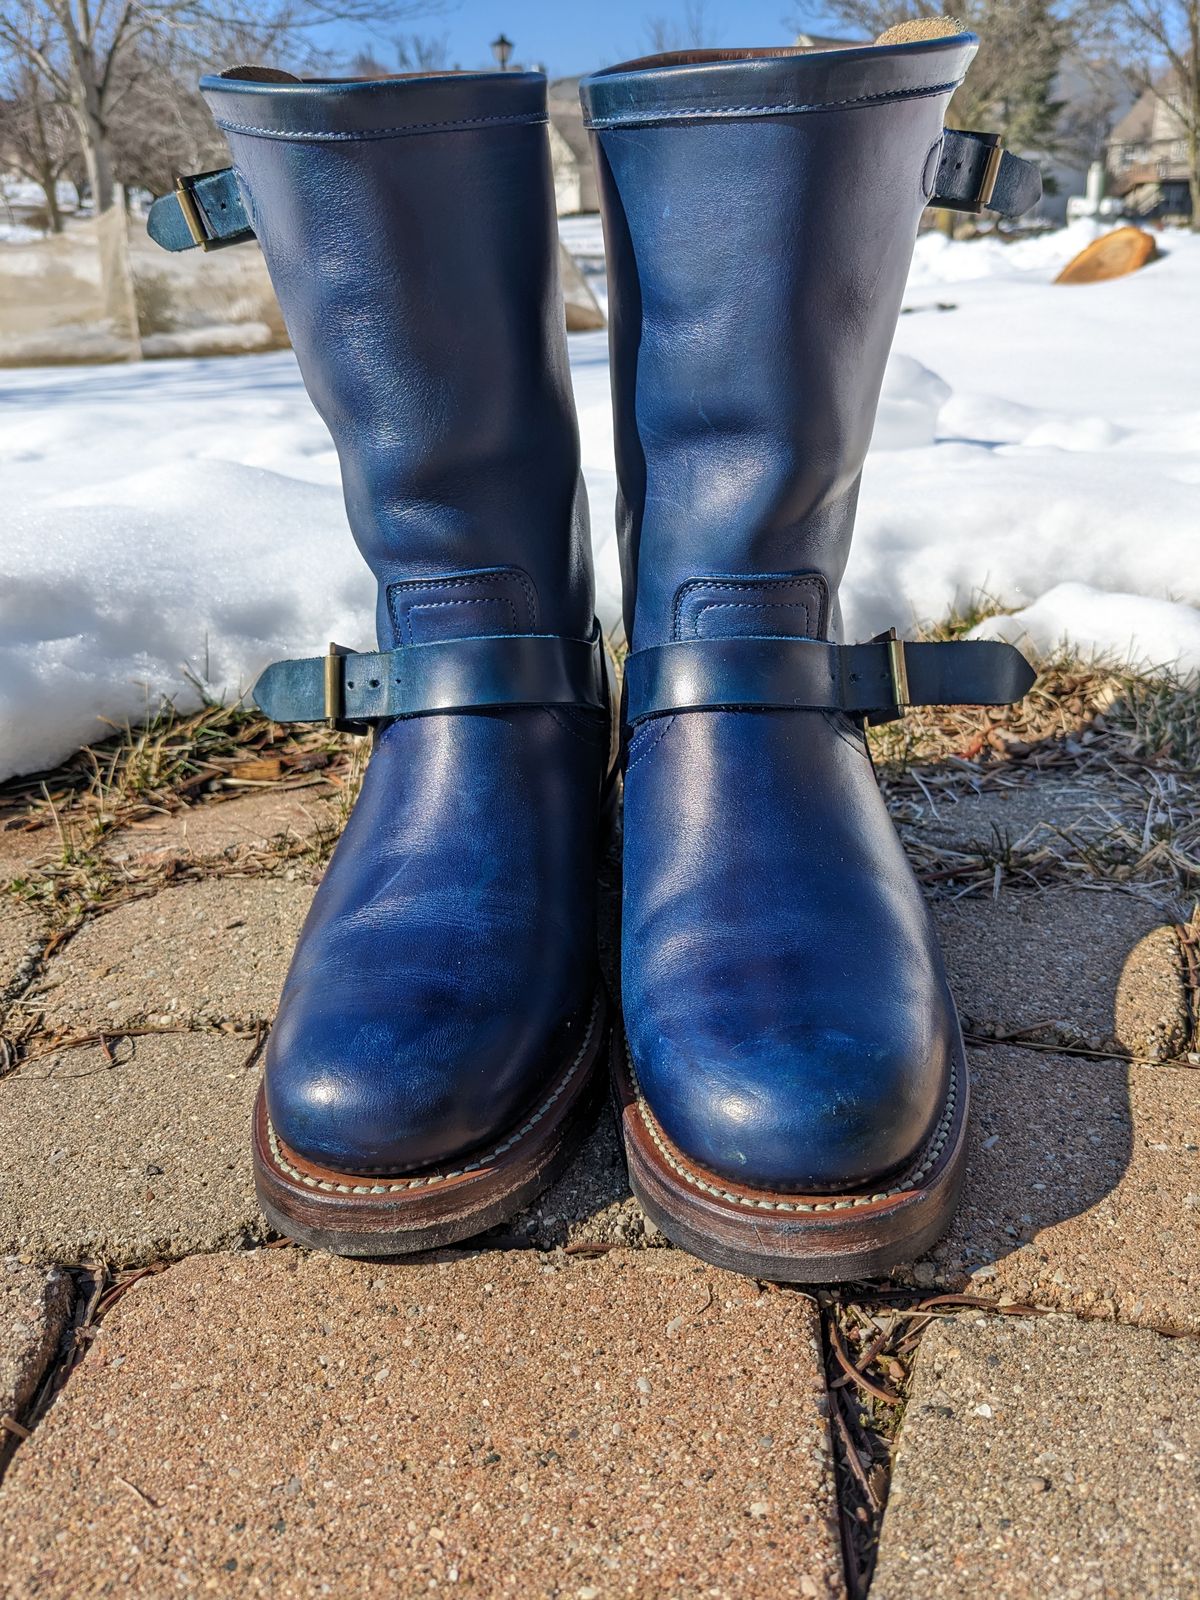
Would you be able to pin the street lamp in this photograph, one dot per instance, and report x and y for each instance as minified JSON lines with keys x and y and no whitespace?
{"x":502,"y":49}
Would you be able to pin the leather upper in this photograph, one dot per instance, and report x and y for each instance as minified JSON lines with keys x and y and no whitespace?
{"x":447,"y":963}
{"x":409,"y":228}
{"x":446,"y":970}
{"x":785,"y":1005}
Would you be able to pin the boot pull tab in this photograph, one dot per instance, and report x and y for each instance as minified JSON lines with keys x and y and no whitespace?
{"x":975,"y":174}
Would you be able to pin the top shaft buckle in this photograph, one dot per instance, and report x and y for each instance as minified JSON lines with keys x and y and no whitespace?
{"x":335,"y":692}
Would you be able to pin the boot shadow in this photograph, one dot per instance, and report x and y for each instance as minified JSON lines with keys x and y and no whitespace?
{"x":1071,"y":990}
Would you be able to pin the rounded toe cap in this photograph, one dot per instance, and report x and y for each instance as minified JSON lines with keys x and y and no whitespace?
{"x":827,"y":1112}
{"x":379,"y":1097}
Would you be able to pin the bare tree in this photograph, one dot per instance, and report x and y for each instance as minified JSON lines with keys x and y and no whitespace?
{"x":81,"y":49}
{"x":160,"y":125}
{"x":1163,"y":39}
{"x":37,"y":138}
{"x":415,"y":52}
{"x":423,"y":52}
{"x":1010,"y":85}
{"x":1099,"y":94}
{"x":693,"y":29}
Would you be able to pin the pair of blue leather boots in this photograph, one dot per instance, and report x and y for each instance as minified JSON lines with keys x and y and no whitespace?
{"x":785,"y":1050}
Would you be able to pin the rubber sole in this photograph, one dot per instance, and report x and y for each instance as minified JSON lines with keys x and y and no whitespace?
{"x":371,"y":1215}
{"x":793,"y":1238}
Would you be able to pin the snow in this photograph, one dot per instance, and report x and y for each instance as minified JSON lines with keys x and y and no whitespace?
{"x":1119,"y":627}
{"x":180,"y":522}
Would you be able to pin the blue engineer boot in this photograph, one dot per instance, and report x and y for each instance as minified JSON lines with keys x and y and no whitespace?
{"x":792,"y":1078}
{"x":433,"y":1052}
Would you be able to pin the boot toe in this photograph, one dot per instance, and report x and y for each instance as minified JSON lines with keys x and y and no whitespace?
{"x":366,"y":1093}
{"x":820,"y":1110}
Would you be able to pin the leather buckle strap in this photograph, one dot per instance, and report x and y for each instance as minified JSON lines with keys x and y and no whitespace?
{"x":205,"y":212}
{"x":877,"y":680}
{"x":351,"y":691}
{"x":976,"y":174}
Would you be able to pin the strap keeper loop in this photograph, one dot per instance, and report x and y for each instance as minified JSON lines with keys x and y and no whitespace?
{"x":991,"y":172}
{"x":899,"y":670}
{"x":190,"y":212}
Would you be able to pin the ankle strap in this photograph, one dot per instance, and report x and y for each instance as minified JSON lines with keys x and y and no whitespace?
{"x":351,"y":691}
{"x":876,"y":680}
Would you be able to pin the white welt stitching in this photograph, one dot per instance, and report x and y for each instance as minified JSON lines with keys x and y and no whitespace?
{"x":920,"y":1169}
{"x":429,"y":1178}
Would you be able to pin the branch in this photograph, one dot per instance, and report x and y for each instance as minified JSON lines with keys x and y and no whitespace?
{"x":25,"y":49}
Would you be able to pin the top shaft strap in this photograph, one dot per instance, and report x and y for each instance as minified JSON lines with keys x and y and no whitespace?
{"x":877,"y":680}
{"x":204,"y":211}
{"x":974,"y":174}
{"x":513,"y":669}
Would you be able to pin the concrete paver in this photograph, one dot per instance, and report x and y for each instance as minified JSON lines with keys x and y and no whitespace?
{"x":132,"y":1159}
{"x":1046,"y":1458}
{"x":591,"y":1204}
{"x":1069,"y":965}
{"x":34,"y":1306}
{"x":289,"y":1424}
{"x":1152,"y":1006}
{"x":1082,"y":1191}
{"x":214,"y":950}
{"x":23,"y":850}
{"x":22,"y":938}
{"x":1032,"y":812}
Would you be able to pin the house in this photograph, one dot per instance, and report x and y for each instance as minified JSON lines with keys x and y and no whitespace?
{"x":820,"y":41}
{"x":1147,"y":154}
{"x":570,"y":149}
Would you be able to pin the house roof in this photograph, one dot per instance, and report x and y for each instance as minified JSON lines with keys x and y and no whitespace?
{"x":1143,"y":122}
{"x":821,"y":41}
{"x":1137,"y":125}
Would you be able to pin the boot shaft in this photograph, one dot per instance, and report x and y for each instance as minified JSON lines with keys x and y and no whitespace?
{"x":409,"y":229}
{"x":760,"y":212}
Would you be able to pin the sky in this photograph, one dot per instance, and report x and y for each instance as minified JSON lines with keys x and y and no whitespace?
{"x":566,"y":37}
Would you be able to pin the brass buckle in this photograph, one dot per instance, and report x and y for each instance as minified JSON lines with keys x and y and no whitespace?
{"x":898,"y":673}
{"x":991,"y":171}
{"x":898,"y":667}
{"x":186,"y":201}
{"x":335,"y":690}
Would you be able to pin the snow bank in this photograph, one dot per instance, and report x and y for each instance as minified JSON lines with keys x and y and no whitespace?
{"x":939,"y":260}
{"x":1130,"y":628}
{"x":182,"y":520}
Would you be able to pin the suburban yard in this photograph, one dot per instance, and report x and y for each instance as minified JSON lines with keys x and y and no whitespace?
{"x":569,"y":1407}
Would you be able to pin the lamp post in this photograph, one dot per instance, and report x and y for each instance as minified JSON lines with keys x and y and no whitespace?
{"x":502,"y":49}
